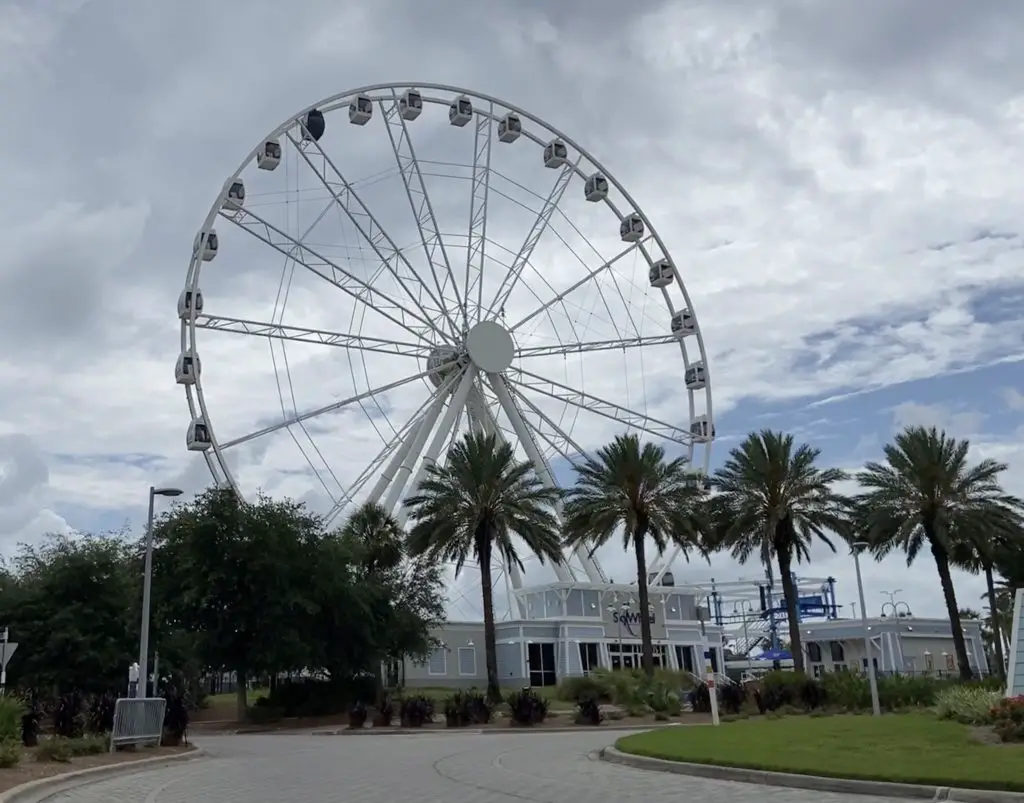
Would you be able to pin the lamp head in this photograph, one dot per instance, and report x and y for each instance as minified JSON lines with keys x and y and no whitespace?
{"x":167,"y":492}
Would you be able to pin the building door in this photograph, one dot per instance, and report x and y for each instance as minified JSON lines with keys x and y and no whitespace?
{"x":684,"y":657}
{"x":588,"y":656}
{"x":540,"y":659}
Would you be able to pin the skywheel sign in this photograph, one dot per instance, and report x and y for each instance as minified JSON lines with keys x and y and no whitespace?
{"x":630,"y":620}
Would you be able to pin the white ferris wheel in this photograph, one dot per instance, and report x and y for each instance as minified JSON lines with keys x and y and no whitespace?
{"x":408,"y":262}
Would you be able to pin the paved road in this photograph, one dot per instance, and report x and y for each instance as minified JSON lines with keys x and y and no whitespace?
{"x":443,"y":768}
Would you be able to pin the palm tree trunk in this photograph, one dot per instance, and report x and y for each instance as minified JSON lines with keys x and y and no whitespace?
{"x":949,"y":594}
{"x":643,"y":598}
{"x":490,"y":639}
{"x":791,"y":596}
{"x":997,"y":637}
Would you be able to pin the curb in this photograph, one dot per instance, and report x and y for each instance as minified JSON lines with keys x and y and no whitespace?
{"x":53,"y":784}
{"x":815,"y":783}
{"x":386,"y":731}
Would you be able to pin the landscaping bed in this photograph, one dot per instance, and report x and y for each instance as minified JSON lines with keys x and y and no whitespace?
{"x":30,"y":768}
{"x":915,"y":748}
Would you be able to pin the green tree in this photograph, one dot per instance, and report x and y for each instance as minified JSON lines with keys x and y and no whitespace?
{"x":403,"y":595}
{"x":472,"y":507}
{"x":72,"y":604}
{"x":774,"y":501}
{"x":631,"y":489}
{"x":237,"y":575}
{"x":923,"y":495}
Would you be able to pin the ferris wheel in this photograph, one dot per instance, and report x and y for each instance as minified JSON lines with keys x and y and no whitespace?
{"x":399,"y":264}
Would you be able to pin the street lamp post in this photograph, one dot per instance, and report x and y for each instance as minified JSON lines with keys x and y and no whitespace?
{"x":876,"y":708}
{"x":147,"y":587}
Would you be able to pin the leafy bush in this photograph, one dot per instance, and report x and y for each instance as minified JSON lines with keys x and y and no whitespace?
{"x":731,"y":697}
{"x":969,"y":705}
{"x":385,"y":712}
{"x":780,"y":689}
{"x":263,"y":714}
{"x":526,"y":707}
{"x":357,"y":715}
{"x":627,"y":687}
{"x":1008,"y":719}
{"x":468,"y":707}
{"x":588,"y":711}
{"x":175,"y":718}
{"x":11,"y":711}
{"x":908,"y":691}
{"x":30,"y":724}
{"x":10,"y":753}
{"x":313,"y":697}
{"x":57,"y":749}
{"x":585,"y":687}
{"x":68,"y":721}
{"x":100,"y":716}
{"x":416,"y":711}
{"x":92,"y":745}
{"x":849,"y":691}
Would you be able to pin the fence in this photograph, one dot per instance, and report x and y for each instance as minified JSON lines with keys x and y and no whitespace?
{"x":138,"y":720}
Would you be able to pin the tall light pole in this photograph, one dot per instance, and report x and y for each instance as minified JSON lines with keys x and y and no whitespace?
{"x":876,"y":708}
{"x":147,"y":587}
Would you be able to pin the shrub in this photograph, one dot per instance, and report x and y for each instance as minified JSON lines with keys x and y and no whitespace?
{"x":11,"y":711}
{"x":469,"y":707}
{"x":969,"y":705}
{"x":262,"y":714}
{"x":57,"y":749}
{"x":1008,"y":719}
{"x":593,"y":686}
{"x":847,"y":690}
{"x":908,"y":691}
{"x":175,"y":719}
{"x":780,"y":689}
{"x":68,"y":721}
{"x":100,"y":716}
{"x":416,"y":711}
{"x":526,"y":707}
{"x":313,"y":697}
{"x":385,"y":712}
{"x":30,"y":724}
{"x":357,"y":715}
{"x":10,"y":753}
{"x":92,"y":745}
{"x":731,"y":697}
{"x":588,"y":712}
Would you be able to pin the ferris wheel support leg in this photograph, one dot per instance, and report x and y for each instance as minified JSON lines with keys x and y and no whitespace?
{"x":392,"y":468}
{"x":483,"y":421}
{"x":444,"y":430}
{"x":397,"y":483}
{"x":522,"y":431}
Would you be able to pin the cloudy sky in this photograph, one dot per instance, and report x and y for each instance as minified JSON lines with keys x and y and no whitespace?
{"x":836,"y":185}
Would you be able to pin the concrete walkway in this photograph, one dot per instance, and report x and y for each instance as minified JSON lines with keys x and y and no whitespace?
{"x":428,"y":768}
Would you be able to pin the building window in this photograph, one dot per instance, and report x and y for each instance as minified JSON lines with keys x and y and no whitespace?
{"x":467,"y":661}
{"x":814,"y":652}
{"x":838,"y":654}
{"x":864,"y":663}
{"x":630,"y":656}
{"x":437,"y":663}
{"x":684,"y":657}
{"x":838,"y":667}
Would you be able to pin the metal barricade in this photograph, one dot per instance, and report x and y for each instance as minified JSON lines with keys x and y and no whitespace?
{"x":138,"y":720}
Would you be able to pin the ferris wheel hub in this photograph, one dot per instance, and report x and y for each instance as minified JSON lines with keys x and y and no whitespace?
{"x":442,"y":362}
{"x":490,"y":347}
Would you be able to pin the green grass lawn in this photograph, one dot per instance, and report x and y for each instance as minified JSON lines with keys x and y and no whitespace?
{"x":906,"y":748}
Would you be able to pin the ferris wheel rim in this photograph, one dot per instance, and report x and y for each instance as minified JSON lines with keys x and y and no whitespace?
{"x":217,"y":459}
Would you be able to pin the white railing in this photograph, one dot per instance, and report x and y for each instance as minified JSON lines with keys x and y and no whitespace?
{"x":138,"y":720}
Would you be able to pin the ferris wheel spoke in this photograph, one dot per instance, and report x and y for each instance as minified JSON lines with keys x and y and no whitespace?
{"x":526,"y":435}
{"x":330,"y":408}
{"x":559,"y":440}
{"x":479,"y":196}
{"x":299,"y":334}
{"x":540,"y":225}
{"x":560,"y":297}
{"x":328,"y":270}
{"x":380,"y":242}
{"x":614,"y":412}
{"x":563,"y":349}
{"x":419,"y":201}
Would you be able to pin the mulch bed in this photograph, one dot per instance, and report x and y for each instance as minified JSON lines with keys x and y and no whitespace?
{"x":28,"y":769}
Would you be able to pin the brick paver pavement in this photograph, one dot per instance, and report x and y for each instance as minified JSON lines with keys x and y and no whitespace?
{"x":442,"y":768}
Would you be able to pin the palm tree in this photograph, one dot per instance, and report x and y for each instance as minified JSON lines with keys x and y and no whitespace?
{"x":471,"y":507}
{"x":977,"y":551}
{"x":925,"y":494}
{"x":773,"y":502}
{"x":633,"y":489}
